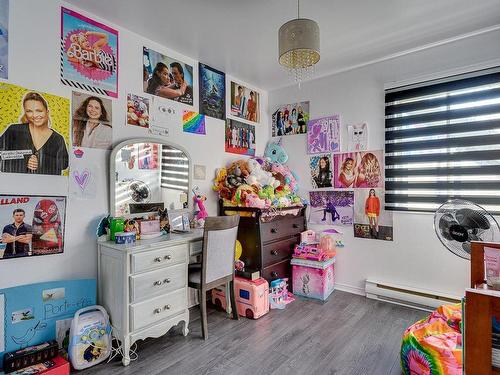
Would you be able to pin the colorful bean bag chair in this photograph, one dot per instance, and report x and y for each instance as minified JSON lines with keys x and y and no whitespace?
{"x":433,"y":346}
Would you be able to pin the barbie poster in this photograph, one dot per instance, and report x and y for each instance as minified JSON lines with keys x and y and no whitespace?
{"x":331,"y":207}
{"x":4,"y":39}
{"x":32,"y":225}
{"x":323,"y":135}
{"x":359,"y":169}
{"x":34,"y":131}
{"x":321,"y":171}
{"x":89,"y":54}
{"x":371,"y":220}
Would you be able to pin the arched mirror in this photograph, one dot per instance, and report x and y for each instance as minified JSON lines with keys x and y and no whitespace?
{"x":147,"y":174}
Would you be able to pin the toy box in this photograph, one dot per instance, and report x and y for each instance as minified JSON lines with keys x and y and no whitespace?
{"x":313,"y":279}
{"x":252,"y":297}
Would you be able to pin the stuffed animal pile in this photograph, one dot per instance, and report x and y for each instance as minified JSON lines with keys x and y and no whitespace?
{"x":261,"y":182}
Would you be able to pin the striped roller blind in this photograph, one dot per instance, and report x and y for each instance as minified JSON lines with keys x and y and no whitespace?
{"x":174,"y":169}
{"x":442,"y":141}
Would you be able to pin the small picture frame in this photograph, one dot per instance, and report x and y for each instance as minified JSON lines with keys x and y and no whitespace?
{"x":179,"y":221}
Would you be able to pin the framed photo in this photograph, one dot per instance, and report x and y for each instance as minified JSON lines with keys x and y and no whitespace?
{"x":89,"y":54}
{"x":31,"y":225}
{"x":245,"y":103}
{"x":212,"y":92}
{"x":166,"y":77}
{"x":364,"y":169}
{"x":290,"y":119}
{"x":239,"y":138}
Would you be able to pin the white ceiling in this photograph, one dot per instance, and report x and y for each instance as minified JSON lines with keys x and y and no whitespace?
{"x":240,"y":36}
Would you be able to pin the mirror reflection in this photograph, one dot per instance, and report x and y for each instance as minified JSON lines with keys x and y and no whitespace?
{"x":149,"y":176}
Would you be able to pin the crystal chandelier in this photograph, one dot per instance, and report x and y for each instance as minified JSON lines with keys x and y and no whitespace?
{"x":298,"y":42}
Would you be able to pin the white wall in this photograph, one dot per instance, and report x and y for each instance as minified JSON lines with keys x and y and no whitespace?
{"x":34,"y":63}
{"x":415,"y":257}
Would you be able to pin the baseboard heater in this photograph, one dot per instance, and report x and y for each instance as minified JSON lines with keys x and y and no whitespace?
{"x":407,"y":296}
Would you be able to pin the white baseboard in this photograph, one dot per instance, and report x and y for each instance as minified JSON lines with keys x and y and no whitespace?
{"x":350,"y":289}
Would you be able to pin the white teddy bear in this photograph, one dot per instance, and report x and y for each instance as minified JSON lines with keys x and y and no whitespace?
{"x":260,"y":177}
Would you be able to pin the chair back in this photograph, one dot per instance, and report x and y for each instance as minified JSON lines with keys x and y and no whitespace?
{"x":219,"y":241}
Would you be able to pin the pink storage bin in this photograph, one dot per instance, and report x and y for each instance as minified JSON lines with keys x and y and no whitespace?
{"x":313,"y":279}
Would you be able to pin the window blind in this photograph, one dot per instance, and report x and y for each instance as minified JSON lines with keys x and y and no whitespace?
{"x":174,"y":169}
{"x":442,"y":141}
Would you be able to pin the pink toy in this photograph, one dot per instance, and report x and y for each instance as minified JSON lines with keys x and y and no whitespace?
{"x":252,"y":297}
{"x":310,"y":252}
{"x":327,"y":245}
{"x":313,"y":279}
{"x":198,"y":199}
{"x":308,"y":236}
{"x":279,"y":296}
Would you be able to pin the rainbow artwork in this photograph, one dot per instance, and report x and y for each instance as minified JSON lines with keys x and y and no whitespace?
{"x":193,"y":122}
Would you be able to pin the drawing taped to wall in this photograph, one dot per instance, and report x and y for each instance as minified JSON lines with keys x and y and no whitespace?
{"x":371,"y":220}
{"x":357,"y":137}
{"x":83,"y":179}
{"x":26,"y":118}
{"x":89,"y":54}
{"x":193,"y":122}
{"x":290,"y":119}
{"x":331,"y":207}
{"x":323,"y":135}
{"x":359,"y":169}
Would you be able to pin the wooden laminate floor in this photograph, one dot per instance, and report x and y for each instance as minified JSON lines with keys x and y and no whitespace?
{"x":347,"y":335}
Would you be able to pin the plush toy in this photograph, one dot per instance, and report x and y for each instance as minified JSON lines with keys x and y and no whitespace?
{"x":276,"y":153}
{"x":220,"y":185}
{"x":259,"y":176}
{"x":242,"y":192}
{"x":253,"y":200}
{"x":202,"y":213}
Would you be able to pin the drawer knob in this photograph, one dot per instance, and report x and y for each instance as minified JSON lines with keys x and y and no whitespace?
{"x":295,"y":226}
{"x":157,"y":311}
{"x":157,"y":282}
{"x":274,"y":274}
{"x":168,"y":257}
{"x":166,"y":307}
{"x":166,"y":281}
{"x":158,"y":259}
{"x":274,"y":252}
{"x":274,"y":230}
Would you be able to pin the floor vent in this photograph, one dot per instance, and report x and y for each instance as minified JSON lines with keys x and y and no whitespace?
{"x":407,"y":296}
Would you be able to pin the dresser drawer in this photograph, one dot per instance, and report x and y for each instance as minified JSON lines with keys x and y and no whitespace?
{"x":149,"y":260}
{"x":292,"y":226}
{"x":281,"y":228}
{"x":277,"y":251}
{"x":271,"y":231}
{"x":277,"y":271}
{"x":161,"y":281}
{"x":156,"y":309}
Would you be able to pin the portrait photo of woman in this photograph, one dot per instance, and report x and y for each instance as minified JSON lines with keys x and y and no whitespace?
{"x":91,"y":121}
{"x":358,"y":169}
{"x":321,"y":171}
{"x":372,"y":212}
{"x":32,"y":146}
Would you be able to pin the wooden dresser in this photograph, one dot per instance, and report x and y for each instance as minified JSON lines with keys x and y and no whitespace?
{"x":144,"y":286}
{"x":268,"y":238}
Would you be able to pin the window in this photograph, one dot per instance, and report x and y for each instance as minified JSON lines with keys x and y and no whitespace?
{"x":442,"y":141}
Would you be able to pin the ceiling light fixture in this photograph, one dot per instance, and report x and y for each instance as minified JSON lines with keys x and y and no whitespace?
{"x":298,"y":42}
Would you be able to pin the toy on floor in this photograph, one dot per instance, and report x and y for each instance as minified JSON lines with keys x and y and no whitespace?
{"x":90,"y":337}
{"x":433,"y":345}
{"x":279,"y":296}
{"x":201,"y":214}
{"x":313,"y":279}
{"x":252,"y":297}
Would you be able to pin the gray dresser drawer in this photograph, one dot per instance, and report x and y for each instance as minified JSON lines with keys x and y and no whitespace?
{"x":156,"y":309}
{"x":149,"y":260}
{"x":160,"y":281}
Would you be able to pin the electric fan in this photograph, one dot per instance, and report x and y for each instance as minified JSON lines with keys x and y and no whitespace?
{"x":458,"y":222}
{"x":139,"y":191}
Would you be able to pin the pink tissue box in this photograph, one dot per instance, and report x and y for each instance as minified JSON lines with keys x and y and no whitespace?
{"x":149,"y":226}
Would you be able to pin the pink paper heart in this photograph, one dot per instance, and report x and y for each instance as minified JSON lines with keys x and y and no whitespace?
{"x":82,"y":179}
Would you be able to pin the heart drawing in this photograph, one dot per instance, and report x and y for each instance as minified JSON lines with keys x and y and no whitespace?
{"x":82,"y":179}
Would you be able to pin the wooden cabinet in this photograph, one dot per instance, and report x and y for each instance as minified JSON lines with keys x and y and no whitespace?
{"x":481,"y":305}
{"x":268,"y":237}
{"x":144,"y":286}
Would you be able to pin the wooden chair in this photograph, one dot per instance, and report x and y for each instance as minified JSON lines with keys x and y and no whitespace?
{"x":217,"y":266}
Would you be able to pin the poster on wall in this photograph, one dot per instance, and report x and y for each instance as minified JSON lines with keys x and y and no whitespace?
{"x":359,"y":169}
{"x":167,"y":77}
{"x":323,"y":135}
{"x":137,"y":111}
{"x":245,"y":103}
{"x":92,"y":121}
{"x":331,"y":207}
{"x":371,"y":220}
{"x":148,"y":156}
{"x":4,"y":39}
{"x":212,"y":92}
{"x":34,"y":131}
{"x":290,"y":119}
{"x":32,"y":225}
{"x":89,"y":54}
{"x":321,"y":171}
{"x":239,"y":138}
{"x":193,"y":122}
{"x":357,"y":137}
